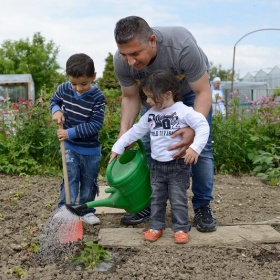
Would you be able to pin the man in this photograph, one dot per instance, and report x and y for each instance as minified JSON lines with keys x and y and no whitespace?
{"x":142,"y":50}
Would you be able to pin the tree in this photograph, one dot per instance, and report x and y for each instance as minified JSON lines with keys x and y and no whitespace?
{"x":109,"y":83}
{"x":36,"y":57}
{"x":217,"y":71}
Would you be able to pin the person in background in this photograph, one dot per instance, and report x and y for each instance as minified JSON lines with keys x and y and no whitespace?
{"x":169,"y":176}
{"x":218,"y":105}
{"x":78,"y":105}
{"x":142,"y":50}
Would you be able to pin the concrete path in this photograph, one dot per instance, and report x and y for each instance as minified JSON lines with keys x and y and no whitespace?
{"x":225,"y":235}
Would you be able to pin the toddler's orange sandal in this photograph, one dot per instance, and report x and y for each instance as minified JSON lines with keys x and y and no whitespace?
{"x":181,"y":237}
{"x":152,"y":235}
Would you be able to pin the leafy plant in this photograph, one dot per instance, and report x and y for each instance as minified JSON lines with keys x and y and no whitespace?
{"x":276,"y":92}
{"x":110,"y":130}
{"x":248,"y":140}
{"x":91,"y":255}
{"x":18,"y":271}
{"x":16,"y":196}
{"x":31,"y":247}
{"x":28,"y":143}
{"x":267,"y":165}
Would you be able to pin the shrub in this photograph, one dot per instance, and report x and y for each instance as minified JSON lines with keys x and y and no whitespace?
{"x":246,"y":141}
{"x":28,"y":142}
{"x":110,"y":130}
{"x":246,"y":137}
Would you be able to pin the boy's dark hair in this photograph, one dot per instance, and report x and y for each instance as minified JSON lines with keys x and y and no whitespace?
{"x":159,"y":82}
{"x":80,"y":64}
{"x":130,"y":28}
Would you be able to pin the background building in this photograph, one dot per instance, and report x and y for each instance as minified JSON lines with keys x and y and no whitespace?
{"x":15,"y":86}
{"x":271,"y":76}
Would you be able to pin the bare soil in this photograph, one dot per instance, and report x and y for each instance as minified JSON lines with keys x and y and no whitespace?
{"x":27,"y":204}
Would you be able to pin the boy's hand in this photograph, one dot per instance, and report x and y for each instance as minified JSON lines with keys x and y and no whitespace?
{"x":191,"y":156}
{"x":112,"y":156}
{"x":62,"y":134}
{"x":58,"y":117}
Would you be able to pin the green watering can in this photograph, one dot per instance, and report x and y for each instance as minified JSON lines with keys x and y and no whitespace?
{"x":129,"y":181}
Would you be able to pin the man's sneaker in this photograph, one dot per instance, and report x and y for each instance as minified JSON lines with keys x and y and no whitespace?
{"x":204,"y":219}
{"x":181,"y":237}
{"x":152,"y":235}
{"x":90,"y":218}
{"x":138,"y":218}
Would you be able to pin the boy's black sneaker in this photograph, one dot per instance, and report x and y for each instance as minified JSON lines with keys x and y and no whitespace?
{"x":204,"y":219}
{"x":138,"y":218}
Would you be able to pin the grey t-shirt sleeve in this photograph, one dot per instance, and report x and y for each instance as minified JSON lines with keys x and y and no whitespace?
{"x":192,"y":61}
{"x":179,"y":48}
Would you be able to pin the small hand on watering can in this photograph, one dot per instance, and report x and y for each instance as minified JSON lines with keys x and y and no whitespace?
{"x":129,"y":181}
{"x":113,"y":156}
{"x":116,"y":155}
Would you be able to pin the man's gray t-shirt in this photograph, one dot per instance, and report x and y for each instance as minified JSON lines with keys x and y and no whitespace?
{"x":177,"y":51}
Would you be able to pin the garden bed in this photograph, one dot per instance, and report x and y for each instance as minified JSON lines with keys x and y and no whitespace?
{"x":28,"y":203}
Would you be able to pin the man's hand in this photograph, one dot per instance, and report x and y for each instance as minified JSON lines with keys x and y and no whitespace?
{"x":187,"y":135}
{"x":58,"y":117}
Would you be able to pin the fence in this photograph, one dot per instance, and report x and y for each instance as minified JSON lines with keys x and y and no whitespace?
{"x":247,"y":91}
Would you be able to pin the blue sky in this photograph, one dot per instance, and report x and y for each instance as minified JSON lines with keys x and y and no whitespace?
{"x":87,"y":26}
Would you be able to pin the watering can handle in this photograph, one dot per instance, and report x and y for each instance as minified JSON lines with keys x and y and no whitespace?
{"x":142,"y":149}
{"x":111,"y":164}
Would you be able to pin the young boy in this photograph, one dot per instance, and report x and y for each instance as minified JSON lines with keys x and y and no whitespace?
{"x":169,"y":176}
{"x":79,"y":106}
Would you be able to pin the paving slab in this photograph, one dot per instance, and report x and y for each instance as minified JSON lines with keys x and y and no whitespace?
{"x":106,"y":210}
{"x":225,"y":235}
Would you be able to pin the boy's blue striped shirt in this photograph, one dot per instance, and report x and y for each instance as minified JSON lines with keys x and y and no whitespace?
{"x":84,"y":117}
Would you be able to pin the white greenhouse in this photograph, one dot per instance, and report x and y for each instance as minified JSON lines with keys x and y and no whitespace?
{"x":271,"y":76}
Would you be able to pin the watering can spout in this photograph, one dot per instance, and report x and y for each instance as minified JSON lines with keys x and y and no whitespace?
{"x":76,"y":210}
{"x":129,"y":181}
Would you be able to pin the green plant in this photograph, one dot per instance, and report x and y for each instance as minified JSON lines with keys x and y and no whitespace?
{"x":110,"y":130}
{"x":29,"y":145}
{"x":28,"y":142}
{"x":276,"y":92}
{"x":16,"y":196}
{"x":248,"y":140}
{"x":228,"y":136}
{"x":18,"y":271}
{"x":31,"y":247}
{"x":91,"y":255}
{"x":267,"y":165}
